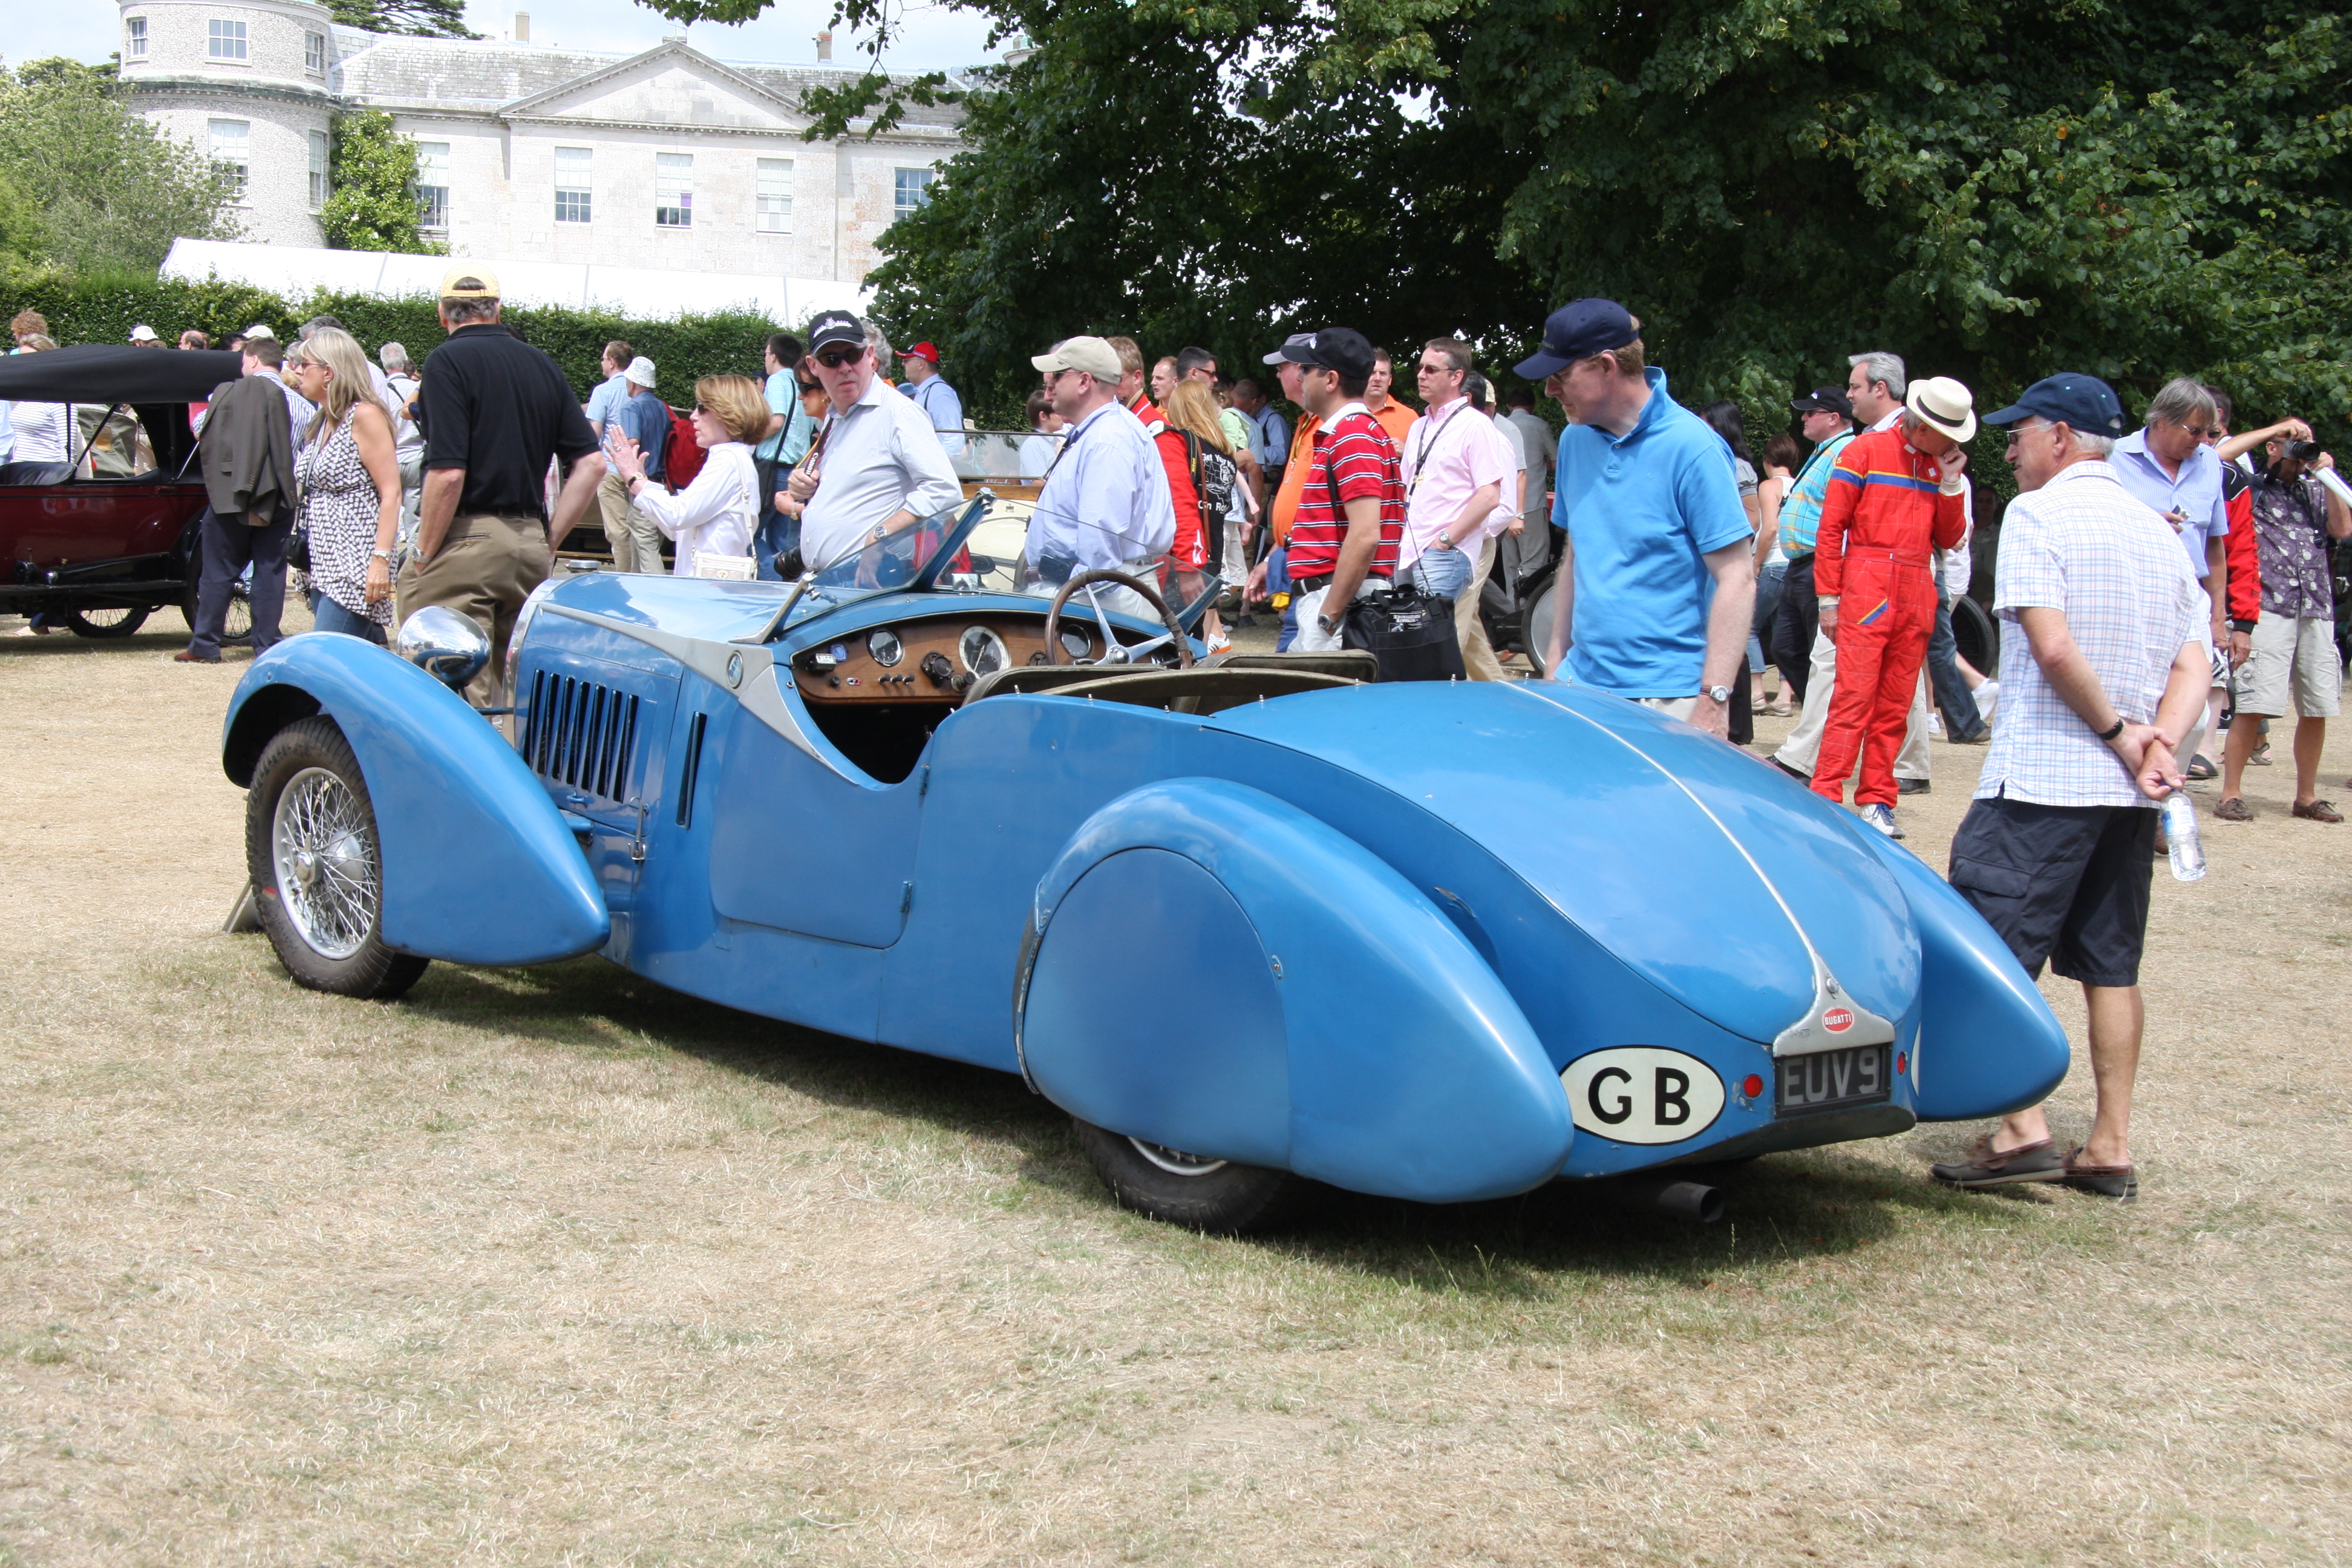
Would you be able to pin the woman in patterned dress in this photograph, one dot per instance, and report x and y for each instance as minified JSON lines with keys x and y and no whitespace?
{"x":350,"y":480}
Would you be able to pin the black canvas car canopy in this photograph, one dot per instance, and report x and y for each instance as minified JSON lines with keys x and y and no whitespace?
{"x":116,"y":372}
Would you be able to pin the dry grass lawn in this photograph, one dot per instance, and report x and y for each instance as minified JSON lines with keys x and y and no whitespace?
{"x":554,"y":1266}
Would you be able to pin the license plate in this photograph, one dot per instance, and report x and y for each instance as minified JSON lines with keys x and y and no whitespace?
{"x":1826,"y":1080}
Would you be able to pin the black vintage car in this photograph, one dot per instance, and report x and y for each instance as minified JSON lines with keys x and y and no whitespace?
{"x":99,"y":545}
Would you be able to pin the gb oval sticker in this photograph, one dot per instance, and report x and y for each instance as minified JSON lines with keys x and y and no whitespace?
{"x":1642,"y":1094}
{"x":1838,"y":1020}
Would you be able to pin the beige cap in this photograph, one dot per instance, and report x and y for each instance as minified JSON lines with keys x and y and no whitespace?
{"x":1093,"y":355}
{"x":1946,"y":404}
{"x":470,"y":280}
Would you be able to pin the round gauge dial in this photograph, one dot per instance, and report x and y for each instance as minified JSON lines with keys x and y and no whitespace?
{"x":981,"y":651}
{"x":1077,"y":644}
{"x":885,"y":646}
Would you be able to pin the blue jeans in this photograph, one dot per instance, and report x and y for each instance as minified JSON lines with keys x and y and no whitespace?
{"x":1961,"y":719}
{"x":329,"y":617}
{"x":1769,"y":582}
{"x":1444,"y":572}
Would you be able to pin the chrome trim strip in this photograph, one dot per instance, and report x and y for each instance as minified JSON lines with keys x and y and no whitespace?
{"x":1809,"y":1034}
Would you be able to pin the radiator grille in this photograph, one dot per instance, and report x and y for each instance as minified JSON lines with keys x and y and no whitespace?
{"x":582,"y":735}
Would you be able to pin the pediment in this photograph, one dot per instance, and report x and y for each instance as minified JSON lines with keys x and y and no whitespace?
{"x":671,"y":85}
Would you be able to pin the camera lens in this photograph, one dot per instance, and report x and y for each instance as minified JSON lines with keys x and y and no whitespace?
{"x":2303,"y":452}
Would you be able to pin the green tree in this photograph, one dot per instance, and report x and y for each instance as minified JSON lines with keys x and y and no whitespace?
{"x":416,"y":18}
{"x":1995,"y":188}
{"x":372,"y":195}
{"x":108,"y":190}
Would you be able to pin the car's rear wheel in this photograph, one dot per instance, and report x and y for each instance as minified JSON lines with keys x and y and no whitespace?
{"x":236,"y":630}
{"x":1188,"y":1189}
{"x":316,"y":866}
{"x":1976,"y":636}
{"x":106,"y":623}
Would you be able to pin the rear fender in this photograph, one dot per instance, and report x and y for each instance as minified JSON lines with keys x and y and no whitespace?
{"x":478,"y":866}
{"x":1988,"y":1043}
{"x":1211,"y":969}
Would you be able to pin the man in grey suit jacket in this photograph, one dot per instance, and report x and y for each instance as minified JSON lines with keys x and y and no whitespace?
{"x":248,"y":451}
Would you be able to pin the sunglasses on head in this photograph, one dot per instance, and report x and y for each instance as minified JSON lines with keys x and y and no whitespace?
{"x":835,"y":358}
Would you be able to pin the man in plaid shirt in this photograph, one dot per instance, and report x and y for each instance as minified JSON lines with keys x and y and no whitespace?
{"x":2100,"y":627}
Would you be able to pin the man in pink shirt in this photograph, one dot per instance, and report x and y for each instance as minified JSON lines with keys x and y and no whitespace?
{"x":1456,"y":466}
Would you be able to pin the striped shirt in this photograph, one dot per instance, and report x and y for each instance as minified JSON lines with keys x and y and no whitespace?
{"x":2084,"y":546}
{"x":1353,"y":454}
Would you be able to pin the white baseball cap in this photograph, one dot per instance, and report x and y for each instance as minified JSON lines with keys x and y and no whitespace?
{"x":143,"y":333}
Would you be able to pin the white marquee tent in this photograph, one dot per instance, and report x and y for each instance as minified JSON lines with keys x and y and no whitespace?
{"x":295,"y":270}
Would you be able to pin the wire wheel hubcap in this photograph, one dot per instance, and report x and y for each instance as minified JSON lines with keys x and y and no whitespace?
{"x":1175,"y":1162}
{"x":323,"y":849}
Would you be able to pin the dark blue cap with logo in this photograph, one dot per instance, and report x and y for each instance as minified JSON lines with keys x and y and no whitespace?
{"x":1579,"y":330}
{"x":2081,"y":402}
{"x":1341,"y":349}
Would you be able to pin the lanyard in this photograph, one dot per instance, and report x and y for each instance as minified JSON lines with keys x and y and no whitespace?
{"x":1420,"y":452}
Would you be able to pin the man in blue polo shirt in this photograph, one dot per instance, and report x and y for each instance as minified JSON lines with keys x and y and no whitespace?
{"x":1665,"y":579}
{"x":2167,"y":463}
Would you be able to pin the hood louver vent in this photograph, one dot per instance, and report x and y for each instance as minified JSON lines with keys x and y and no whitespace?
{"x":582,"y":735}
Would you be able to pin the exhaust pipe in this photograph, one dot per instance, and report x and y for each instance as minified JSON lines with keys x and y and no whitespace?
{"x":1691,"y":1200}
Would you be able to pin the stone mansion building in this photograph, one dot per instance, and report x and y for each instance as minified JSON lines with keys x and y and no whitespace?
{"x":668,"y":160}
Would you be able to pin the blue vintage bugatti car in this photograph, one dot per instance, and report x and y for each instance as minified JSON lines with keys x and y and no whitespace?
{"x":1247,"y":919}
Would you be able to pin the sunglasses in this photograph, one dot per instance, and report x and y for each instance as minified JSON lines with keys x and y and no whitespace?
{"x":835,"y":358}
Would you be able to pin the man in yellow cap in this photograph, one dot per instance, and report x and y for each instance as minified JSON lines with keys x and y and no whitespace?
{"x":496,"y":410}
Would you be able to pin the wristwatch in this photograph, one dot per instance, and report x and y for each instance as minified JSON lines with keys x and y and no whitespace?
{"x":881,"y":532}
{"x":382,"y":555}
{"x":1323,"y":622}
{"x":1718,"y":694}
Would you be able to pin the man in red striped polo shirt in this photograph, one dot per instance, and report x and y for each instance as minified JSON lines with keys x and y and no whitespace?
{"x":1350,"y":518}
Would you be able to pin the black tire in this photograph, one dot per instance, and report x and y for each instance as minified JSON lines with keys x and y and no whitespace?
{"x":1217,"y":1195}
{"x":236,"y":628}
{"x":1978,"y":640}
{"x":106,"y":623}
{"x":1534,"y":624}
{"x":330,"y":937}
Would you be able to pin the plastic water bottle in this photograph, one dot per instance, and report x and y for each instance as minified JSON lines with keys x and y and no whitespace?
{"x":2181,"y":840}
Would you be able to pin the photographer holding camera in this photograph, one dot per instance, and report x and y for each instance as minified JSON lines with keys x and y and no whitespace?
{"x":2294,"y":647}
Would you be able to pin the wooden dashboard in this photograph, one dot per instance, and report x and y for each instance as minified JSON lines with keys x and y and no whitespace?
{"x":929,"y":661}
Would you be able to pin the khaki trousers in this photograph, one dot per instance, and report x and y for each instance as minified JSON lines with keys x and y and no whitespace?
{"x":1804,"y":747}
{"x":635,"y":539}
{"x":1477,"y":654}
{"x":486,"y":567}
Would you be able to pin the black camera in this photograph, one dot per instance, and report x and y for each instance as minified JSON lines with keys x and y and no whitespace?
{"x":2301,"y":451}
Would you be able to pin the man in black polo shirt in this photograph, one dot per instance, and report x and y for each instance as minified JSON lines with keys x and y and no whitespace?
{"x":495,"y":410}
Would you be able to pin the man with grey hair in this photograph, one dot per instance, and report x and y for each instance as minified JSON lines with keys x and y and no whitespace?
{"x":2168,"y":464}
{"x":408,"y":441}
{"x":2102,"y":671}
{"x":1875,"y":387}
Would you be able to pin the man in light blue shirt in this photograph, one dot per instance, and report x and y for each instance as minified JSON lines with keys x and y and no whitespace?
{"x":2167,"y":463}
{"x":1106,"y":503}
{"x":933,"y":396}
{"x":613,"y":389}
{"x":1664,"y":585}
{"x":790,"y":430}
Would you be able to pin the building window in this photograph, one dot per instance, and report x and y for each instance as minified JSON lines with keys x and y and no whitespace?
{"x":317,"y":170}
{"x":226,"y":40}
{"x":775,"y":191}
{"x":134,"y":38}
{"x":314,"y":53}
{"x":914,"y":191}
{"x":433,"y":185}
{"x":229,"y":139}
{"x":572,"y":188}
{"x":673,"y":190}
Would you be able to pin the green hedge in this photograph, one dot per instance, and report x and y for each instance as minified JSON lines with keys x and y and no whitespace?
{"x":82,"y":309}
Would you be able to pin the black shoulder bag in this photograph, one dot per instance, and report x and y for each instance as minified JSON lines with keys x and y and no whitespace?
{"x":1409,"y":632}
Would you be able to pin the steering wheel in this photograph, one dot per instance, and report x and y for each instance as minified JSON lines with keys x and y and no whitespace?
{"x":1060,"y":654}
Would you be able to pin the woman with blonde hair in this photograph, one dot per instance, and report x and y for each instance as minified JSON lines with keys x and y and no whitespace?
{"x":349,"y":481}
{"x":713,"y":517}
{"x":1191,"y":409}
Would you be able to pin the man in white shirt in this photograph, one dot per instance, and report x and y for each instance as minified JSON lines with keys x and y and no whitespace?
{"x":1105,"y":502}
{"x":877,"y":464}
{"x":2104,"y":668}
{"x":1874,"y":389}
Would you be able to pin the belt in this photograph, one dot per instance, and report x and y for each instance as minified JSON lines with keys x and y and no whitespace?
{"x":1301,"y":586}
{"x":1880,"y":553}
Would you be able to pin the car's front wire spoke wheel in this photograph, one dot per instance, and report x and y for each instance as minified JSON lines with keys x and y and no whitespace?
{"x":316,"y":858}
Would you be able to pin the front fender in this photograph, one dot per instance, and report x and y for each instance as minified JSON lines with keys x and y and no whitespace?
{"x":1988,"y":1043}
{"x":477,"y":865}
{"x":1212,"y":969}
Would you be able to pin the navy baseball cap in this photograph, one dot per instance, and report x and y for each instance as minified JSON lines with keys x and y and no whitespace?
{"x":1825,"y":400}
{"x":1341,"y":349}
{"x":836,"y":327}
{"x":1579,"y":330}
{"x":2081,"y":402}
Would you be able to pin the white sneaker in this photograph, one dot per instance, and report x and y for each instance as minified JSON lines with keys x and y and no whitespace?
{"x":1936,"y":725}
{"x":1882,"y":818}
{"x":1988,"y":700}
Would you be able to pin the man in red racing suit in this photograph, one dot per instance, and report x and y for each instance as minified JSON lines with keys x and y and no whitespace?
{"x":1895,"y":496}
